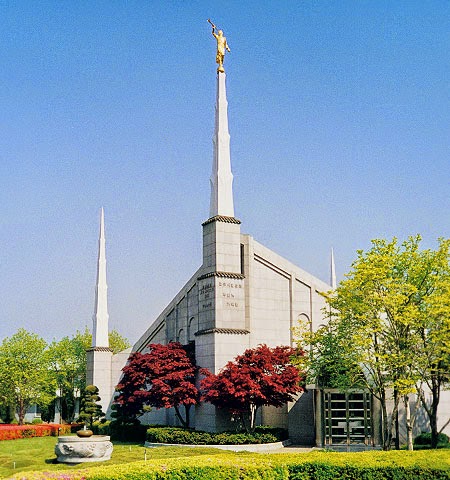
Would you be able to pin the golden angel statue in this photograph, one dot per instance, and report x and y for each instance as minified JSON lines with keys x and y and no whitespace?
{"x":222,"y":45}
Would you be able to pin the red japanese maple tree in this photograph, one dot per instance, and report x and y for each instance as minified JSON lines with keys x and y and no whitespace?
{"x":260,"y":376}
{"x":162,"y":378}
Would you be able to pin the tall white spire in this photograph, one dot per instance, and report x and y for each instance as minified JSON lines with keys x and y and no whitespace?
{"x":221,"y":177}
{"x":332,"y":271}
{"x":101,"y":317}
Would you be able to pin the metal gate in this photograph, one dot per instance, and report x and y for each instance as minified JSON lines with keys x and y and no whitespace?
{"x":348,"y":418}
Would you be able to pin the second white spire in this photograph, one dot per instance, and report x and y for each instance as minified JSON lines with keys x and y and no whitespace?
{"x":101,"y":317}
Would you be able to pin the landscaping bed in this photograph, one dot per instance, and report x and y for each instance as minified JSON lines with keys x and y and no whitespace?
{"x":177,"y":435}
{"x":13,"y":432}
{"x":185,"y":436}
{"x":432,"y":465}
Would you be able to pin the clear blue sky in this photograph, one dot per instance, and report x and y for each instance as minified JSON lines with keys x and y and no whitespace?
{"x":339,"y":121}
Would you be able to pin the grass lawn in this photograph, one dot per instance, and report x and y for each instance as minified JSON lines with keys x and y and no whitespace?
{"x":38,"y":454}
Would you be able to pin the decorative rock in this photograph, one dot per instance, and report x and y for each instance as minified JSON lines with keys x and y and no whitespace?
{"x":85,"y":433}
{"x":96,"y":448}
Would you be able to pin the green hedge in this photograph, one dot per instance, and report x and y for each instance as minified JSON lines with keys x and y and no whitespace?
{"x":431,"y":465}
{"x":177,"y":435}
{"x":424,"y":439}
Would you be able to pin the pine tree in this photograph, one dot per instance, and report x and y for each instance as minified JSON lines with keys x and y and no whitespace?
{"x":90,"y":410}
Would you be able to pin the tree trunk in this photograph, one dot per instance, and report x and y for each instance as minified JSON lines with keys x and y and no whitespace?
{"x":408,"y":423}
{"x":434,"y":430}
{"x":435,"y":393}
{"x":21,"y":411}
{"x":187,"y":410}
{"x":387,"y":423}
{"x":242,"y":418}
{"x":432,"y":409}
{"x":69,"y":406}
{"x":253,"y":409}
{"x":386,"y":434}
{"x":397,"y":424}
{"x":178,"y":414}
{"x":393,"y":417}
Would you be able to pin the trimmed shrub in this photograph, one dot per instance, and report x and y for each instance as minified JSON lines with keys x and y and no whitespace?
{"x":177,"y":435}
{"x":423,"y":441}
{"x":101,"y":428}
{"x":280,"y":433}
{"x":395,"y":465}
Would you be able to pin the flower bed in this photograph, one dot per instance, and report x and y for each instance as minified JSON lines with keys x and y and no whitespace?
{"x":12,"y":432}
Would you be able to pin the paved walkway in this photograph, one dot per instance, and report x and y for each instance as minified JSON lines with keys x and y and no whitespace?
{"x":293,"y":449}
{"x":336,"y":448}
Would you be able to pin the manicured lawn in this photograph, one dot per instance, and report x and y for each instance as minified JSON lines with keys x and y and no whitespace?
{"x":38,"y":454}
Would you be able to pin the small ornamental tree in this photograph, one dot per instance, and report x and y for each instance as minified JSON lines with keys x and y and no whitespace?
{"x":260,"y":376}
{"x":90,"y":410}
{"x":162,"y":378}
{"x":125,"y":410}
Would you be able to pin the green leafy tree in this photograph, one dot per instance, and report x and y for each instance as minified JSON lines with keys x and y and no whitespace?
{"x":329,"y":362}
{"x":68,"y":365}
{"x":24,"y":378}
{"x":388,"y":328}
{"x":433,"y":347}
{"x":90,"y":410}
{"x":117,"y":343}
{"x":67,"y":359}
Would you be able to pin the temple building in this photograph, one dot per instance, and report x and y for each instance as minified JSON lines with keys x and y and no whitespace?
{"x":242,"y":295}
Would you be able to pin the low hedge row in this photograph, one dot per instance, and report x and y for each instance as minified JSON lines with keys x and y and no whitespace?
{"x":176,"y":435}
{"x":434,"y":465}
{"x":13,"y":432}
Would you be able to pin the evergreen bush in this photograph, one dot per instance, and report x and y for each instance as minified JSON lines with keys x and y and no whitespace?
{"x":424,"y":439}
{"x":177,"y":435}
{"x":90,"y":410}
